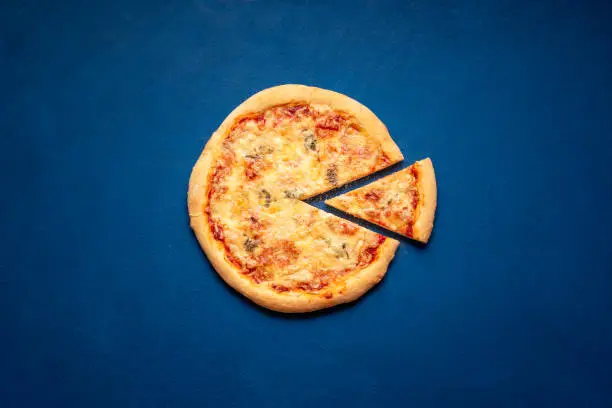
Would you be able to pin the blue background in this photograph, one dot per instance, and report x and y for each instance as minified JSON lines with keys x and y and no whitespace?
{"x":107,"y":300}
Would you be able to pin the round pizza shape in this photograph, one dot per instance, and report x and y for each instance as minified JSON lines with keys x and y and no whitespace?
{"x":282,"y":145}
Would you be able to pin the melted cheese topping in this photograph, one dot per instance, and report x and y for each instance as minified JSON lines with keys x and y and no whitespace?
{"x":391,"y":202}
{"x":268,"y":161}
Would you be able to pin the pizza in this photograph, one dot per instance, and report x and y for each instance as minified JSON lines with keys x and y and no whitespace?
{"x":282,"y":145}
{"x":403,"y":202}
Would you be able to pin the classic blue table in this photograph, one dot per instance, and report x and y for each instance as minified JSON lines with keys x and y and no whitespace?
{"x":106,"y":299}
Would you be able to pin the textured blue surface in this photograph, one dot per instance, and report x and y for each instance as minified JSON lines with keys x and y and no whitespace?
{"x":107,"y":300}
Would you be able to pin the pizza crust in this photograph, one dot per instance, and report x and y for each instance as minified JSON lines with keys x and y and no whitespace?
{"x":427,"y":202}
{"x":356,"y":284}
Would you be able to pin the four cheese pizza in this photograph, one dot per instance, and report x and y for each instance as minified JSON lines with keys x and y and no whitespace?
{"x":404,"y":202}
{"x":282,"y":145}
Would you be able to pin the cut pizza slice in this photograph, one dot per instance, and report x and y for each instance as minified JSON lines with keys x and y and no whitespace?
{"x":403,"y":202}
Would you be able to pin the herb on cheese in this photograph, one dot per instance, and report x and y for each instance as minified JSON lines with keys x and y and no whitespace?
{"x":310,"y":141}
{"x":250,"y":245}
{"x":332,"y":174}
{"x":265,"y":198}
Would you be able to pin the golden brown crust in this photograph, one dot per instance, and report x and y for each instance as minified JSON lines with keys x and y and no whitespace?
{"x":357,"y":283}
{"x":428,"y":199}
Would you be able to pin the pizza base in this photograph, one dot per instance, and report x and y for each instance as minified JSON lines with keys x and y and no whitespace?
{"x":351,"y":288}
{"x":428,"y":201}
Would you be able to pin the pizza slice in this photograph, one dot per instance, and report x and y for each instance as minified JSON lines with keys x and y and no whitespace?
{"x":403,"y":202}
